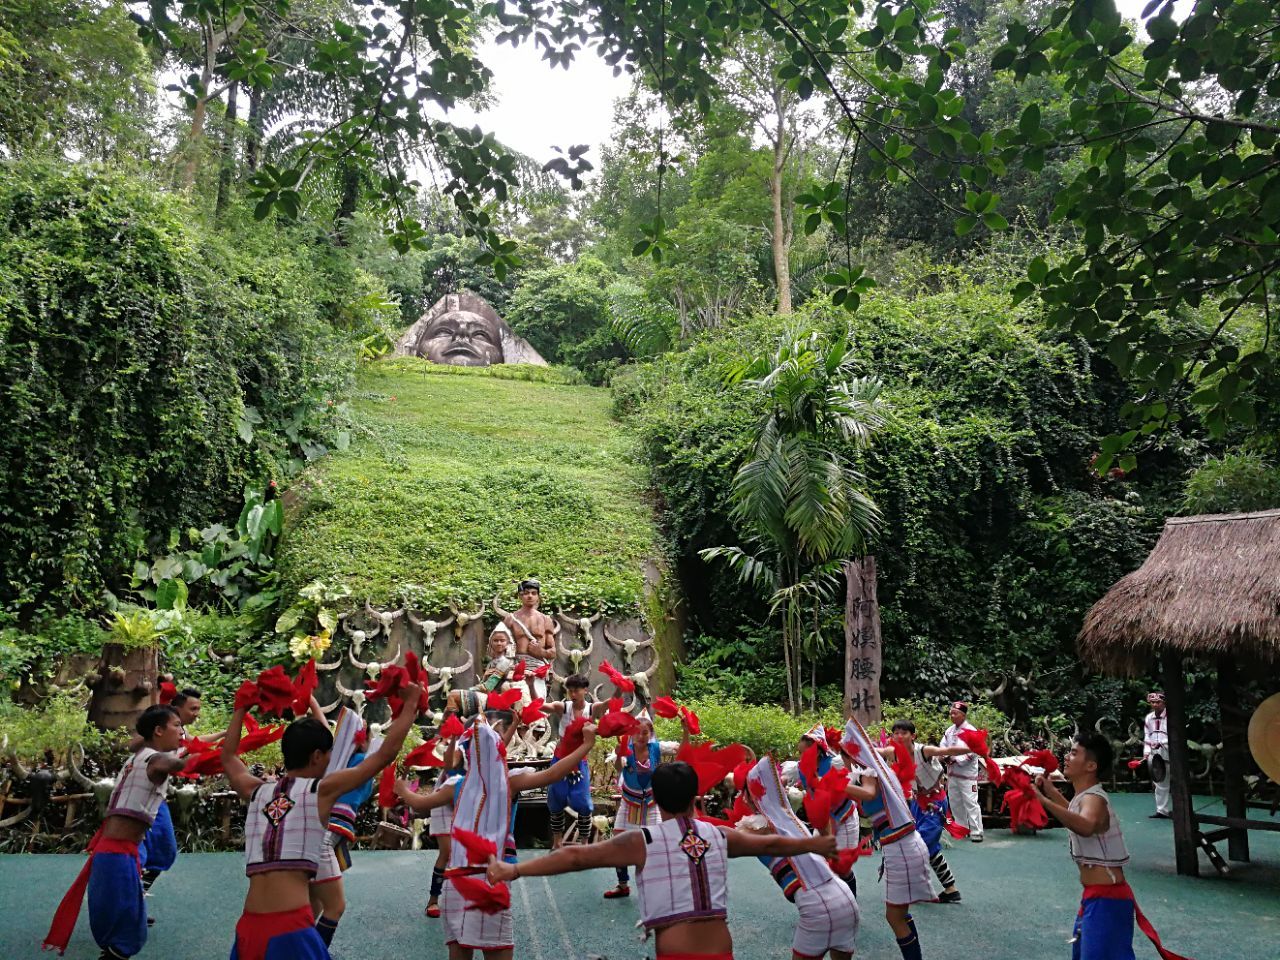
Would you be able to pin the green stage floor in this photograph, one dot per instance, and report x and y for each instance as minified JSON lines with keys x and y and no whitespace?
{"x":1020,"y":897}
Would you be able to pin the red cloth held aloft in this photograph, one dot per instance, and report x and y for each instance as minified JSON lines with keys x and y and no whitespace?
{"x":479,"y":849}
{"x":424,"y":755}
{"x":246,"y":695}
{"x":1021,"y":801}
{"x":623,"y":683}
{"x":533,"y":712}
{"x":904,"y":767}
{"x":275,"y":692}
{"x":542,"y":671}
{"x":304,"y":684}
{"x":712,"y":765}
{"x":167,"y":692}
{"x":452,"y":727}
{"x":571,"y":739}
{"x":518,"y":673}
{"x":976,"y":740}
{"x":666,"y":708}
{"x":617,"y":723}
{"x":504,"y":700}
{"x":691,"y":721}
{"x":1044,"y":759}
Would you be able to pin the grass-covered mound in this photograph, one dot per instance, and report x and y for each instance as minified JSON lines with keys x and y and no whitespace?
{"x":459,"y":482}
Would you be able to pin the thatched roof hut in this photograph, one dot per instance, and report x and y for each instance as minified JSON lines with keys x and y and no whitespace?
{"x":1210,"y":587}
{"x":1211,"y":590}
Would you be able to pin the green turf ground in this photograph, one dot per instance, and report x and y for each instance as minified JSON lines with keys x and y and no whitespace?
{"x":1020,"y":897}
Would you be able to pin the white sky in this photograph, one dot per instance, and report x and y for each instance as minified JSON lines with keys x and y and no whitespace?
{"x":539,"y":106}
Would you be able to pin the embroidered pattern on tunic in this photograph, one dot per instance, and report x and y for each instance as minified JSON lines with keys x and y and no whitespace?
{"x":277,"y":809}
{"x":694,"y":847}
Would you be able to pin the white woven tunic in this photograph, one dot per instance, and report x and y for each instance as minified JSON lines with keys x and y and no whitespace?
{"x":282,"y":830}
{"x":685,"y":874}
{"x":1104,"y":849}
{"x":135,"y":796}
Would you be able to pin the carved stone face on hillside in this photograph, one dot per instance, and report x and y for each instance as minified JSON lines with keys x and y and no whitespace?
{"x":463,"y":339}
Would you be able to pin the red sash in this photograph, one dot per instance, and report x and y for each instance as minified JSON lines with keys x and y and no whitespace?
{"x":255,"y":930}
{"x":1122,"y":891}
{"x":68,"y":912}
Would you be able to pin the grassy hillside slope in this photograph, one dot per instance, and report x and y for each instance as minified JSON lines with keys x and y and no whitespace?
{"x":459,"y":482}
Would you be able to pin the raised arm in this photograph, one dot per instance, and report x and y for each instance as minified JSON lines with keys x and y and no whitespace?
{"x":340,"y":781}
{"x":863,"y":793}
{"x":743,"y":844}
{"x":242,"y":781}
{"x":424,"y":802}
{"x":625,"y":850}
{"x":558,"y":770}
{"x":957,"y":751}
{"x":1092,"y":818}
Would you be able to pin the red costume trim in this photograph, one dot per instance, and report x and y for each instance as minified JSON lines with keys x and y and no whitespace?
{"x":1122,"y":891}
{"x":255,"y":930}
{"x":68,"y":912}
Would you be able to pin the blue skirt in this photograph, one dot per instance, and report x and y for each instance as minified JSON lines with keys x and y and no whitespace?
{"x":1104,"y":930}
{"x":117,"y":916}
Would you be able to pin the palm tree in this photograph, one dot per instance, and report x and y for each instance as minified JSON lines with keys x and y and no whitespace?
{"x":799,"y":495}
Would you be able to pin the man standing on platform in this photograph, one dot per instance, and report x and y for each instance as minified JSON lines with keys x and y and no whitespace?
{"x":1155,"y":751}
{"x":534,"y":632}
{"x":962,"y":775}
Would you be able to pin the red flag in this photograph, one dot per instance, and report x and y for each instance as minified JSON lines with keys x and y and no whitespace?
{"x":617,"y":723}
{"x":666,"y":708}
{"x":414,"y":671}
{"x":976,"y":740}
{"x":386,"y":787}
{"x":275,"y":692}
{"x":1021,"y":801}
{"x":167,"y":692}
{"x":623,"y":683}
{"x":452,"y":727}
{"x":424,"y":755}
{"x":904,"y":767}
{"x":479,"y":849}
{"x":533,"y":712}
{"x":542,"y":671}
{"x":809,"y":766}
{"x":304,"y":684}
{"x":518,"y":673}
{"x":624,"y":747}
{"x":571,"y":739}
{"x":1044,"y":759}
{"x":246,"y":695}
{"x":504,"y":700}
{"x":691,"y":720}
{"x":480,"y":895}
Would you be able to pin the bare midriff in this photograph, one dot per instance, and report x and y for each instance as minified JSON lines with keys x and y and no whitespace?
{"x":1100,"y":876}
{"x":695,"y":936}
{"x":117,"y":827}
{"x":277,"y":891}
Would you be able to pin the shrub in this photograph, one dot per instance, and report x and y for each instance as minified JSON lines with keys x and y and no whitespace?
{"x":149,"y":372}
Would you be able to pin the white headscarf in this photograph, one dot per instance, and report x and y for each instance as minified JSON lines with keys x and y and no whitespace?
{"x":810,"y":868}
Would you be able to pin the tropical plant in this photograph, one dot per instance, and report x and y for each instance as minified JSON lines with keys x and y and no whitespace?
{"x":799,"y":497}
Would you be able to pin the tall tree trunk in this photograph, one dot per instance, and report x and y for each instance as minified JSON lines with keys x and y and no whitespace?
{"x":254,"y":144}
{"x":213,"y":42}
{"x":227,"y":172}
{"x":347,"y":205}
{"x":780,"y":241}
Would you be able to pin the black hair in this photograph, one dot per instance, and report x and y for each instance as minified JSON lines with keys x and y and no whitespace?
{"x":529,"y":584}
{"x":906,"y":725}
{"x":153,"y":718}
{"x":303,"y":738}
{"x":182,"y":696}
{"x":576,"y":681}
{"x":1098,"y":747}
{"x":674,"y":785}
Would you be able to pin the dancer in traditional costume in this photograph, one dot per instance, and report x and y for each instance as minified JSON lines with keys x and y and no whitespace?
{"x":159,"y":849}
{"x":1155,"y":751}
{"x":927,"y":799}
{"x":829,"y":915}
{"x":112,"y":874}
{"x":1104,"y":926}
{"x":440,"y":824}
{"x":534,"y":634}
{"x":637,"y":757}
{"x":328,"y":892}
{"x":682,"y":871}
{"x":904,"y":859}
{"x":962,"y":774}
{"x":476,"y":916}
{"x":499,"y":663}
{"x":286,"y":828}
{"x":845,"y":823}
{"x":574,"y":791}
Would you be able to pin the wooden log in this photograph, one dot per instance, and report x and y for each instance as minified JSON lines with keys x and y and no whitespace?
{"x":862,"y":652}
{"x":1184,"y":825}
{"x":1234,"y":765}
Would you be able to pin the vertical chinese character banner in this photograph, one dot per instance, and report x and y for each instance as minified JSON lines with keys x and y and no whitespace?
{"x":862,"y":642}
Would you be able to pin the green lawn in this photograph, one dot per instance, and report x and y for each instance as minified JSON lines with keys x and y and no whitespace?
{"x":1020,"y":899}
{"x":460,"y":482}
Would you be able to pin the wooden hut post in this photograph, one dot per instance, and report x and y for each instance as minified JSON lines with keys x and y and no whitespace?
{"x":1234,"y":737}
{"x":1184,"y":829}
